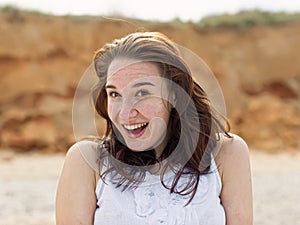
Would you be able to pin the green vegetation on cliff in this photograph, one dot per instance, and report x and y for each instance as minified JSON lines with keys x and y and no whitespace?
{"x":248,"y":19}
{"x":242,"y":19}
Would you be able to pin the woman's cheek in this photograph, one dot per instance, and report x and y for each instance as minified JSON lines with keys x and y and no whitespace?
{"x":112,"y":109}
{"x":153,"y":107}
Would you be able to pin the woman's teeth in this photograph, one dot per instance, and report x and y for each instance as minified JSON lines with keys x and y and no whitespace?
{"x":135,"y":126}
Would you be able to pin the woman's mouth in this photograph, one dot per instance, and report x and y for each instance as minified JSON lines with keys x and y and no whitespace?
{"x":135,"y":130}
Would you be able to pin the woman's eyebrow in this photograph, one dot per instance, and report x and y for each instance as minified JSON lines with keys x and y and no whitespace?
{"x":109,"y":86}
{"x":142,"y":84}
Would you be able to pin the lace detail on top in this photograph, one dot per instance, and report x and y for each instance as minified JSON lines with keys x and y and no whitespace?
{"x":162,"y":207}
{"x":154,"y":204}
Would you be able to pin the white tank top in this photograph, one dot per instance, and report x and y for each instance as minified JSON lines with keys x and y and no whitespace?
{"x":153,"y":204}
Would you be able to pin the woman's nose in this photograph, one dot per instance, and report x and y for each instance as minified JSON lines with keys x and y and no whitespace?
{"x":128,"y":110}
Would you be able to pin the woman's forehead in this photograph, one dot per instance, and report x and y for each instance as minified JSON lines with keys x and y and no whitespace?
{"x":119,"y":64}
{"x":127,"y":65}
{"x":128,"y":71}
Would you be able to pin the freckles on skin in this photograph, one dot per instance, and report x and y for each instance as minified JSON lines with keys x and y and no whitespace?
{"x":129,"y":109}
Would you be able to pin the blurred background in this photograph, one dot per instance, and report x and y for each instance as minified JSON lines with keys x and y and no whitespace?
{"x":251,"y":46}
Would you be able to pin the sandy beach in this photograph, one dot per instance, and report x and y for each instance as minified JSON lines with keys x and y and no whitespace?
{"x":28,"y":184}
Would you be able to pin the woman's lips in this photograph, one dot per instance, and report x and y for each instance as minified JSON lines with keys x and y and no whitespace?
{"x":135,"y":130}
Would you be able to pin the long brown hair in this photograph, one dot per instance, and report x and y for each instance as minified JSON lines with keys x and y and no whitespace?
{"x":157,"y":48}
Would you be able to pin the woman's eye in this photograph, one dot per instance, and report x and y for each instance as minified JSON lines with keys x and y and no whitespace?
{"x":142,"y":93}
{"x":113,"y":94}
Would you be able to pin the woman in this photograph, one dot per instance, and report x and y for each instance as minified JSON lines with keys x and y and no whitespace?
{"x":166,"y":156}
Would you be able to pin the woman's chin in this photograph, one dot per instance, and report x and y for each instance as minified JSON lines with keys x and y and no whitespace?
{"x":137,"y":148}
{"x":142,"y":146}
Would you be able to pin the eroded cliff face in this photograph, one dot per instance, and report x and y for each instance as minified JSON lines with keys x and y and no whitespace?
{"x":42,"y":59}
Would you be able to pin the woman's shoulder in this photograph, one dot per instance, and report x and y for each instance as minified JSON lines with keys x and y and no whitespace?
{"x":84,"y":152}
{"x":232,"y":153}
{"x":233,"y":144}
{"x":84,"y":145}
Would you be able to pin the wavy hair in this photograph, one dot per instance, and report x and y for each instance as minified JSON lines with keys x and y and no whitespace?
{"x":208,"y":124}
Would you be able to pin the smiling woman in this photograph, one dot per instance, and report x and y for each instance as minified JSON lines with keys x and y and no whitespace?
{"x":132,"y":92}
{"x":166,"y":156}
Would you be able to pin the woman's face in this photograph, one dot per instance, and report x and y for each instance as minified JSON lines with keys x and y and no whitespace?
{"x":138,"y":104}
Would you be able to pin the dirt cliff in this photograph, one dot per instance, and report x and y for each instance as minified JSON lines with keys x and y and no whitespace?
{"x":43,"y":57}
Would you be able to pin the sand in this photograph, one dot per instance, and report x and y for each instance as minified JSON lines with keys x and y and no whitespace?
{"x":28,"y":184}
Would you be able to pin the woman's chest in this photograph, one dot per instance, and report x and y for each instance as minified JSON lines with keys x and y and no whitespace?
{"x":154,"y":204}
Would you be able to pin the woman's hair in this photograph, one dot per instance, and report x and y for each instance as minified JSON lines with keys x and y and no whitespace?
{"x":208,"y":125}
